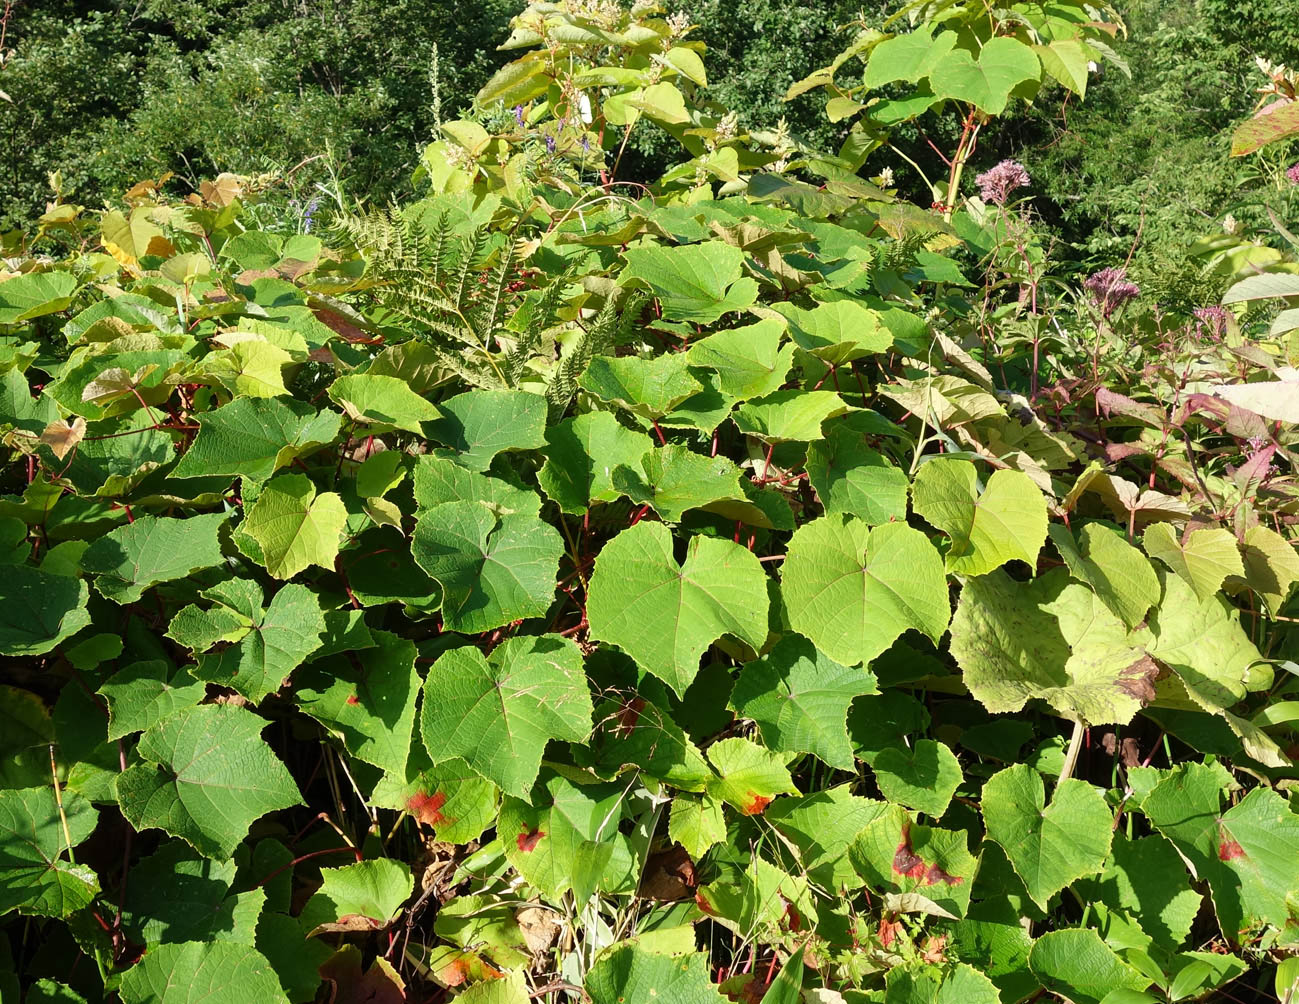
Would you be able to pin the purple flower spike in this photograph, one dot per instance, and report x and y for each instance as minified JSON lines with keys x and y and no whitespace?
{"x":1110,"y":289}
{"x":518,"y":115}
{"x":996,"y":184}
{"x":550,"y":144}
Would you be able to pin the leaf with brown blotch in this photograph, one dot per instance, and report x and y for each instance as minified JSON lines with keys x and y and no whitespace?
{"x":1138,"y":679}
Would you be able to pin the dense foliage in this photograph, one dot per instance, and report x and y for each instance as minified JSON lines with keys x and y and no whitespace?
{"x":752,"y":586}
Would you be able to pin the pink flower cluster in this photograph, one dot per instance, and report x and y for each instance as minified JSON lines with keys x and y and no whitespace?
{"x":1110,"y":289}
{"x":1292,"y":172}
{"x":996,"y":184}
{"x":1212,"y":322}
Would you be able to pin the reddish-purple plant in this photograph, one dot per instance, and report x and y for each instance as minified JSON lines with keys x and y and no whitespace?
{"x":1292,"y":172}
{"x":996,"y":184}
{"x":1110,"y":289}
{"x":1211,"y":322}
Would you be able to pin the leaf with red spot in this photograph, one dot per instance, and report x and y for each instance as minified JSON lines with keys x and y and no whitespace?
{"x":1248,"y":854}
{"x":567,"y":838}
{"x":756,"y":898}
{"x":895,"y":854}
{"x":756,"y":804}
{"x":428,"y":808}
{"x":749,"y":776}
{"x":367,"y":698}
{"x":449,"y":797}
{"x":905,"y":862}
{"x":452,"y":967}
{"x":527,"y":841}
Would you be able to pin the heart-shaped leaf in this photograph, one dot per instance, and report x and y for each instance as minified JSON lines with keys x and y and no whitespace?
{"x":1050,"y":846}
{"x":665,"y":615}
{"x":497,"y":713}
{"x":853,"y":590}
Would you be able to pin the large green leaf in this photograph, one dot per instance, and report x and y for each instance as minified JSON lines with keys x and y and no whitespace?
{"x":822,"y":826}
{"x":439,"y":480}
{"x":40,"y":610}
{"x":1249,"y":855}
{"x":364,"y":896}
{"x":35,"y":294}
{"x":202,"y":972}
{"x":853,"y":590}
{"x":34,"y":878}
{"x":1147,"y":881}
{"x":1005,"y":522}
{"x":1117,"y":572}
{"x":1080,"y":967}
{"x":254,"y":437}
{"x":382,"y":401}
{"x":367,"y":698}
{"x":207,"y":776}
{"x":497,"y":713}
{"x":749,"y":360}
{"x":697,"y":823}
{"x":628,"y":973}
{"x":179,"y":896}
{"x":492,"y":570}
{"x":1265,"y":285}
{"x":837,"y":332}
{"x":672,"y":479}
{"x":1271,"y":565}
{"x":849,"y":477}
{"x":261,"y":648}
{"x":908,"y":57}
{"x":1053,"y":640}
{"x":482,"y":423}
{"x":144,"y":693}
{"x":799,"y":700}
{"x":130,"y":558}
{"x":295,"y":527}
{"x":694,"y":282}
{"x":1050,"y":846}
{"x":1002,"y":65}
{"x":647,"y":387}
{"x":581,"y":455}
{"x":666,"y":615}
{"x":789,"y":415}
{"x":922,"y":776}
{"x":1203,"y":559}
{"x":1204,"y":642}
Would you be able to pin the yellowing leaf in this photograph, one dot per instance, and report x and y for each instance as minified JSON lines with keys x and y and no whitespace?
{"x":294,"y":527}
{"x":1203,"y":559}
{"x":62,"y":436}
{"x":128,"y":239}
